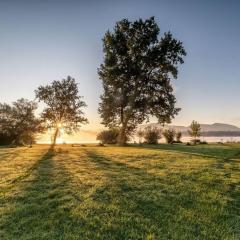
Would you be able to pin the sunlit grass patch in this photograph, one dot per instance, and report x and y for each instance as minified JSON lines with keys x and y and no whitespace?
{"x":119,"y":193}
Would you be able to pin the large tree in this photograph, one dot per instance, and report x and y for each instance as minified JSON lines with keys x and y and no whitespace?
{"x":18,"y":123}
{"x":136,"y":74}
{"x":63,"y":106}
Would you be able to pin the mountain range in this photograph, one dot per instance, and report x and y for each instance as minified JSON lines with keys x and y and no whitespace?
{"x":215,"y":129}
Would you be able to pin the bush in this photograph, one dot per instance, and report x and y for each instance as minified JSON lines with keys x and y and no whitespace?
{"x":178,"y":137}
{"x":152,"y":135}
{"x":195,"y":141}
{"x":169,"y":135}
{"x":5,"y":139}
{"x":100,"y":145}
{"x":108,"y":136}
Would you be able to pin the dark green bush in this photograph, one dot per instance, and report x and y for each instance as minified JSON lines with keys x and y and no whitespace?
{"x":169,"y":135}
{"x":108,"y":136}
{"x":195,"y":141}
{"x":5,"y":139}
{"x":178,"y":136}
{"x":152,"y":135}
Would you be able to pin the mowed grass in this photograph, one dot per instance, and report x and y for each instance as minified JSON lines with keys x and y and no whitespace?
{"x":166,"y":192}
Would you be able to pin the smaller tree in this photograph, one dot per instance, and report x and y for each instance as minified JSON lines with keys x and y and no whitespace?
{"x":108,"y":136}
{"x":152,"y":135}
{"x":178,"y":136}
{"x":63,"y":106}
{"x":140,"y":134}
{"x":18,"y":124}
{"x":169,"y":135}
{"x":194,"y":131}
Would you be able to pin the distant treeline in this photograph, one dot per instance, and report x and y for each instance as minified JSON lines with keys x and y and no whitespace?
{"x":218,"y":134}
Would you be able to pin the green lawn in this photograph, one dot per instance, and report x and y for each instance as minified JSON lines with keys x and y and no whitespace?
{"x":136,"y":192}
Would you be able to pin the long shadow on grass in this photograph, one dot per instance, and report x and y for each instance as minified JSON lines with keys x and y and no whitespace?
{"x":230,"y":168}
{"x":130,"y":205}
{"x":130,"y":191}
{"x":221,"y":152}
{"x":42,"y":209}
{"x":158,"y":204}
{"x":11,"y":155}
{"x":149,"y":202}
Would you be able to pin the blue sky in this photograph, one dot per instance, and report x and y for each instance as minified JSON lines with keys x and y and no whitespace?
{"x":46,"y":40}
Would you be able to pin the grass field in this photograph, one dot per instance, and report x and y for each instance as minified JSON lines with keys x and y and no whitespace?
{"x":163,"y":192}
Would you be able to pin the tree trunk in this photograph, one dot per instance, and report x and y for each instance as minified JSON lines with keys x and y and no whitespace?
{"x":122,"y":136}
{"x":55,"y":136}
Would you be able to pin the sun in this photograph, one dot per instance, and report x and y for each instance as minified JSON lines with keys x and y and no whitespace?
{"x":60,"y":139}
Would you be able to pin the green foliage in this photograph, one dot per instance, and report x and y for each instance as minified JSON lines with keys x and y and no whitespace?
{"x":63,"y":106}
{"x":169,"y":135}
{"x":195,"y":130}
{"x":136,"y":73}
{"x":152,"y":135}
{"x":108,"y":136}
{"x":5,"y":139}
{"x":18,"y":124}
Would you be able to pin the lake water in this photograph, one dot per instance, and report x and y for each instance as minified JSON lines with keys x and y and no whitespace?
{"x":91,"y":138}
{"x":210,"y":139}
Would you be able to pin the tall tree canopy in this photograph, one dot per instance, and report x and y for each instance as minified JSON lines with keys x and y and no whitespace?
{"x":18,"y":123}
{"x":136,"y":73}
{"x":63,"y":106}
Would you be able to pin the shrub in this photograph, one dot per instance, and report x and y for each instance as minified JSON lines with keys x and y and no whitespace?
{"x":152,"y":135}
{"x":178,"y":137}
{"x":195,"y":141}
{"x":169,"y":135}
{"x":108,"y":136}
{"x":5,"y":139}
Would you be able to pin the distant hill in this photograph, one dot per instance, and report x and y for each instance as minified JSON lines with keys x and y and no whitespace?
{"x":215,"y":129}
{"x":219,"y":127}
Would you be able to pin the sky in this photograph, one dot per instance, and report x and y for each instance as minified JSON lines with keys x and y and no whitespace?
{"x":46,"y":40}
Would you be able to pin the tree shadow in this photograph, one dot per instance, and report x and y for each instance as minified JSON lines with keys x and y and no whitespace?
{"x":42,"y":209}
{"x":156,"y":204}
{"x":230,"y":169}
{"x":132,"y":203}
{"x":6,"y":156}
{"x":229,"y":152}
